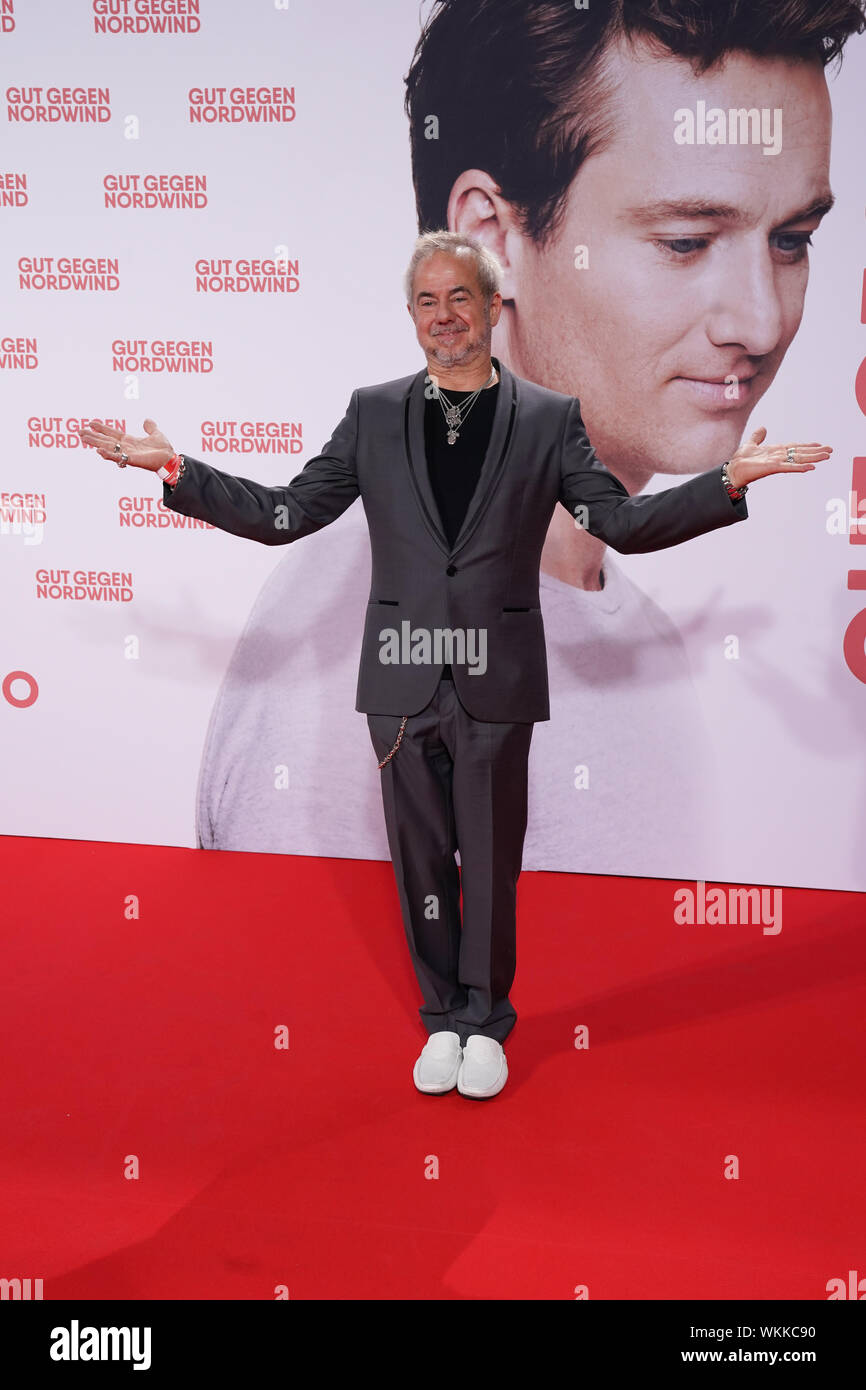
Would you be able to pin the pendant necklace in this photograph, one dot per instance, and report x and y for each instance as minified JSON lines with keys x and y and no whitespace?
{"x":455,"y":415}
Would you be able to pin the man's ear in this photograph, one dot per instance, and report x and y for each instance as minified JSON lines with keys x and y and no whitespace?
{"x":476,"y":206}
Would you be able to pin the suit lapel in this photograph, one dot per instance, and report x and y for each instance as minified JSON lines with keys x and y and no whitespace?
{"x":494,"y":458}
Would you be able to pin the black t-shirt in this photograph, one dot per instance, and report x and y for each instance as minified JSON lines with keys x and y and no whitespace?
{"x":454,"y":469}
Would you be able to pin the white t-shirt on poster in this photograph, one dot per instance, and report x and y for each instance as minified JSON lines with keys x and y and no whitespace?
{"x":288,"y":766}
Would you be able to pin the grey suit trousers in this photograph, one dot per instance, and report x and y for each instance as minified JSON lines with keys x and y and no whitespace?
{"x":457,"y":783}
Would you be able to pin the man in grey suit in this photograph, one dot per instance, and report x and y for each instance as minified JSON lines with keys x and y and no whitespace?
{"x":459,"y":468}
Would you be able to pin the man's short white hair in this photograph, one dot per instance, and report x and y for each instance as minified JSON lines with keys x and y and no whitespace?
{"x":486,"y":264}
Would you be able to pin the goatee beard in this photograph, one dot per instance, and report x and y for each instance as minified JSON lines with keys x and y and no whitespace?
{"x":458,"y":357}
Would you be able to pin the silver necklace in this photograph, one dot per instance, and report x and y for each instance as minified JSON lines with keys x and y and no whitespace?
{"x":456,"y":415}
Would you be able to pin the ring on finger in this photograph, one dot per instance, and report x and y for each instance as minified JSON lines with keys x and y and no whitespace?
{"x":790,"y":454}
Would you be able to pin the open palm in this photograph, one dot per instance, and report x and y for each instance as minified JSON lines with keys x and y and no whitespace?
{"x":150,"y":451}
{"x":755,"y":459}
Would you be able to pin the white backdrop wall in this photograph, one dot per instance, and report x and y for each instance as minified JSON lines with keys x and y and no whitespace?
{"x":181,"y":703}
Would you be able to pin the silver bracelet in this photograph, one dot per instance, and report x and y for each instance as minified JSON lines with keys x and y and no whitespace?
{"x":733,"y":492}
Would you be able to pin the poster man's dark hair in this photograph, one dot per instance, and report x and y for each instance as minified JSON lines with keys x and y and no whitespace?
{"x":517,"y":87}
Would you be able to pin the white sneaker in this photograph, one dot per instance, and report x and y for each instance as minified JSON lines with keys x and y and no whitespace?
{"x":484,"y":1070}
{"x":436,"y":1069}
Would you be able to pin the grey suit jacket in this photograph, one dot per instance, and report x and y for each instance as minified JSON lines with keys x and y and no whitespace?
{"x":427,"y":597}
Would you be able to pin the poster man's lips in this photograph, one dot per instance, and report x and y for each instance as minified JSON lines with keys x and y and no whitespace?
{"x":718,"y":393}
{"x":719,"y":380}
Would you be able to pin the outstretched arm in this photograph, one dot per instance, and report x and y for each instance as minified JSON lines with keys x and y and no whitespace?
{"x":321,"y":492}
{"x":601,"y":505}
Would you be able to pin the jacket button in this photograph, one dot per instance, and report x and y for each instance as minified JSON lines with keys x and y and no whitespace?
{"x":452,"y":569}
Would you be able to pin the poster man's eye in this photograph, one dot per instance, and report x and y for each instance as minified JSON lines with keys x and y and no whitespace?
{"x":792,"y":245}
{"x":682,"y":246}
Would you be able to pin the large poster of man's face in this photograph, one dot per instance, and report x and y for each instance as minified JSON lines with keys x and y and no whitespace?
{"x":651,"y":180}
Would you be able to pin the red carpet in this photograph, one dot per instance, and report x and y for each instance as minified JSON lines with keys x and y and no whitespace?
{"x":153,"y":1036}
